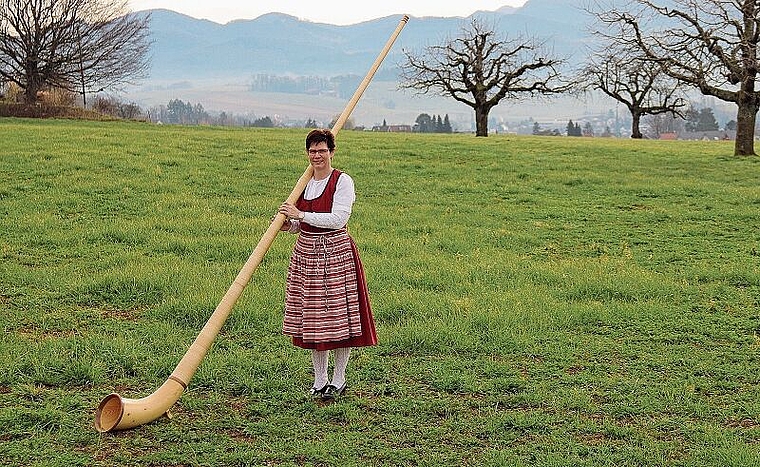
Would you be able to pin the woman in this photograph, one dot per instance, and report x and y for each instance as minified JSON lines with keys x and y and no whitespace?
{"x":326,"y":300}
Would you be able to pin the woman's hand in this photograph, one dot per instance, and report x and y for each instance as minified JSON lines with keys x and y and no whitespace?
{"x":290,"y":211}
{"x":285,"y":224}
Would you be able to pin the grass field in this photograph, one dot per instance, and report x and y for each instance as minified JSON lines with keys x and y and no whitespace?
{"x":539,"y":301}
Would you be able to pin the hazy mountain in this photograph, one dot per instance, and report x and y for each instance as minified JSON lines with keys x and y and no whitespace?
{"x":506,"y":10}
{"x":213,"y":64}
{"x":189,"y":48}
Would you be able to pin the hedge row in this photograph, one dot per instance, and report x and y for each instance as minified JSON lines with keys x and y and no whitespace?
{"x":48,"y":111}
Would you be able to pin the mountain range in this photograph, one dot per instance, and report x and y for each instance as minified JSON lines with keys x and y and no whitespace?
{"x":275,"y":43}
{"x":201,"y":61}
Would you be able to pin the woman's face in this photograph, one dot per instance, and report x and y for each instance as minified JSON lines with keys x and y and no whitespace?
{"x":319,"y":155}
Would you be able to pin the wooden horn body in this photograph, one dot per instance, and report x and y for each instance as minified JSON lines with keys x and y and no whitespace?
{"x":119,"y":413}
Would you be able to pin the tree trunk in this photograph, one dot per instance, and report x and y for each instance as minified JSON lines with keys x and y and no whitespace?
{"x":636,"y":126}
{"x":745,"y":128}
{"x":481,"y":121}
{"x":30,"y":92}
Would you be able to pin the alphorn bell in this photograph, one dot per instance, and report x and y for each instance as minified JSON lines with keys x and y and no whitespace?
{"x":119,"y":413}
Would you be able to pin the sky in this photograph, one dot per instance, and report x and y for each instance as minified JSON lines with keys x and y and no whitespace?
{"x":340,"y":12}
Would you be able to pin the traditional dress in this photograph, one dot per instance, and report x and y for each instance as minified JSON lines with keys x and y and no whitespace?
{"x":326,"y":299}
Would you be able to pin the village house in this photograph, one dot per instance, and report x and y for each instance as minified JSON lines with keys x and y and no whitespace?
{"x":716,"y":135}
{"x":393,"y":128}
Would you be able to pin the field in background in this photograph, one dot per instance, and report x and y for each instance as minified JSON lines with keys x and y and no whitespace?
{"x":539,"y":301}
{"x":382,"y":101}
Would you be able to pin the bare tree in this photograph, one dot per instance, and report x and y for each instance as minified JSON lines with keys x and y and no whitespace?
{"x":636,"y":82}
{"x":711,"y":45}
{"x":662,"y":123}
{"x":78,"y":45}
{"x":480,"y":69}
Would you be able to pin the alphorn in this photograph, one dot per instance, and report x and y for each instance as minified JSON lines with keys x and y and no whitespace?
{"x":119,"y":413}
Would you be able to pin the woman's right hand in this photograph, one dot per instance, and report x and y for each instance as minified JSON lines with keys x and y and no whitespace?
{"x":291,"y":211}
{"x":285,"y":224}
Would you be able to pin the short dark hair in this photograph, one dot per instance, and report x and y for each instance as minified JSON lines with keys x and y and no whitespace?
{"x":321,"y":135}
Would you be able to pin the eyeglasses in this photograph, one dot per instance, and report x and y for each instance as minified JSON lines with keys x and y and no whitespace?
{"x":321,"y":152}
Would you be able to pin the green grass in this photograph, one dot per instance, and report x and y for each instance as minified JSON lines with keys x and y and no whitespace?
{"x":539,"y":301}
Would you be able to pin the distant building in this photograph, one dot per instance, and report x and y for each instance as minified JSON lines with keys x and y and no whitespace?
{"x":393,"y":128}
{"x":400,"y":128}
{"x":717,"y":135}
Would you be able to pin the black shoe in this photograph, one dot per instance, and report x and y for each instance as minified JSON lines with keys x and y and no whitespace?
{"x":333,"y":392}
{"x":317,"y":393}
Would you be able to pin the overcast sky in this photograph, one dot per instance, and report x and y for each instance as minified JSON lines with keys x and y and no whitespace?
{"x":322,"y":11}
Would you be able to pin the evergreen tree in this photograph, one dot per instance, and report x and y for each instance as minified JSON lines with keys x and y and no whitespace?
{"x":700,"y":120}
{"x":573,"y":129}
{"x":264,"y":122}
{"x":707,"y":120}
{"x":691,"y":118}
{"x":446,"y":124}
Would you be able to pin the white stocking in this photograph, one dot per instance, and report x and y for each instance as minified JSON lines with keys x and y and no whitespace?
{"x":319,"y":360}
{"x":341,"y":362}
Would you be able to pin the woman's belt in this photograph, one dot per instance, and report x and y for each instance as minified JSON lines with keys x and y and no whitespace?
{"x":329,"y":232}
